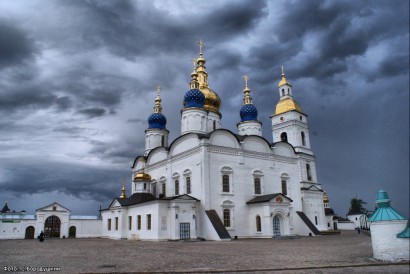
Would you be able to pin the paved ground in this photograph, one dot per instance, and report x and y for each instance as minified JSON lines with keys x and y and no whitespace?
{"x":345,"y":253}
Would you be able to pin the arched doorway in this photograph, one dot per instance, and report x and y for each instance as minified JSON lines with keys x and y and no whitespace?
{"x":72,"y":231}
{"x":276,"y":226}
{"x":52,"y":227}
{"x":29,"y":232}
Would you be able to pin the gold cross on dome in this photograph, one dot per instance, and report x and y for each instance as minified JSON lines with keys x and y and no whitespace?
{"x":201,"y":45}
{"x":158,"y":89}
{"x":283,"y":72}
{"x":194,"y":62}
{"x":246,"y":80}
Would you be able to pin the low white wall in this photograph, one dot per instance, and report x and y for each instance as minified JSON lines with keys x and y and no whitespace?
{"x":346,"y":226}
{"x":386,"y":246}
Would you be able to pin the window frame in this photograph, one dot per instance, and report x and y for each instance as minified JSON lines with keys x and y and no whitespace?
{"x":227,"y":172}
{"x":139,"y":222}
{"x":258,"y":222}
{"x":149,"y":219}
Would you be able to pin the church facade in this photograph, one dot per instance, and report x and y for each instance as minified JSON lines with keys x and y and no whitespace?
{"x":209,"y":182}
{"x":216,"y":184}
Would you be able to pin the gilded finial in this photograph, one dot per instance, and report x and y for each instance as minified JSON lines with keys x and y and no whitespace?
{"x":123,"y":194}
{"x":201,"y":45}
{"x":158,"y":107}
{"x":283,"y":81}
{"x":247,"y":99}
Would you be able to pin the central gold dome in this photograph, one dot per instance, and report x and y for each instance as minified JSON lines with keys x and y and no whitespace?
{"x":212,"y":100}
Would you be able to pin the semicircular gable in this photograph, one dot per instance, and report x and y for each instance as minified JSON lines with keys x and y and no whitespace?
{"x":156,"y":155}
{"x":138,"y":159}
{"x":284,"y":149}
{"x":224,"y":138}
{"x":184,"y":143}
{"x":256,"y":143}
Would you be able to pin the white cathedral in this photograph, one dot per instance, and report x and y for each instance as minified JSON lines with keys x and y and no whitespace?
{"x":212,"y":183}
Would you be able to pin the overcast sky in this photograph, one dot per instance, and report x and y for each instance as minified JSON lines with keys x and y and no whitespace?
{"x":77,"y":83}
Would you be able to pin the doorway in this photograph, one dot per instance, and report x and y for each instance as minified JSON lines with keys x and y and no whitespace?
{"x":184,"y":231}
{"x":52,"y":227}
{"x":276,"y":226}
{"x":72,"y":232}
{"x":29,"y":232}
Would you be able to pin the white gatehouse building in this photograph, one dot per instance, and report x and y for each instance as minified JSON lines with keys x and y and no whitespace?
{"x":210,"y":182}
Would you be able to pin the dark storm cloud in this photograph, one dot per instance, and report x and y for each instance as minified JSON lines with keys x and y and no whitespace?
{"x":93,"y":112}
{"x":15,"y":45}
{"x":87,"y":179}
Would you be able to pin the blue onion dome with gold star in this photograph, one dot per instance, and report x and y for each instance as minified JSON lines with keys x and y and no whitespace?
{"x":248,"y":111}
{"x":157,"y":119}
{"x":194,"y":97}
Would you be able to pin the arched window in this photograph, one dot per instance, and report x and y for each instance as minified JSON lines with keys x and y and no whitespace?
{"x":188,"y":185}
{"x":309,"y":176}
{"x":176,"y":187}
{"x":302,"y":134}
{"x":315,"y":220}
{"x":284,"y":137}
{"x":284,"y":187}
{"x":258,"y":224}
{"x":257,"y":185}
{"x":214,"y":124}
{"x":225,"y":183}
{"x":283,"y":92}
{"x":154,"y":189}
{"x":227,"y":217}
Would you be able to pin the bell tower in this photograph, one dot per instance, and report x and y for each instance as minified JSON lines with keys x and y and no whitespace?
{"x":289,"y":122}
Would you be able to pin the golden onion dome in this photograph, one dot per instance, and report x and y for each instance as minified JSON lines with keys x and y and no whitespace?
{"x":286,"y":105}
{"x":212,"y":100}
{"x":325,"y":198}
{"x":142,"y":176}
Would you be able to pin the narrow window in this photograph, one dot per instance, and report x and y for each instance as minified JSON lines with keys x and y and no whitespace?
{"x":109,"y":224}
{"x":257,"y":183}
{"x":116,"y":223}
{"x":162,"y":141}
{"x":145,"y":185}
{"x":309,"y":176}
{"x":302,"y":134}
{"x":227,"y":218}
{"x":225,"y":183}
{"x":129,"y":222}
{"x":283,"y":92}
{"x":284,"y":188}
{"x":188,"y":185}
{"x":154,"y":189}
{"x":214,"y":124}
{"x":139,"y":222}
{"x":176,"y":187}
{"x":164,"y":188}
{"x":258,"y":224}
{"x":315,"y":220}
{"x":284,"y":137}
{"x":149,"y":222}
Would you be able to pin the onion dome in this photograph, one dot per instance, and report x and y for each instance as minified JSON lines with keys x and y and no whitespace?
{"x":194,"y":97}
{"x":248,"y":111}
{"x":212,"y":100}
{"x":157,"y":119}
{"x":325,"y":198}
{"x":142,"y":176}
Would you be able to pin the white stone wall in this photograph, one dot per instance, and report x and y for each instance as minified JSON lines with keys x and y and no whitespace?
{"x":346,"y":226}
{"x":87,"y":228}
{"x":386,"y":246}
{"x":355,"y":219}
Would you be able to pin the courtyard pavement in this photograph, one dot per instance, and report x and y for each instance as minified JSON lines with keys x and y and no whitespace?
{"x":345,"y":253}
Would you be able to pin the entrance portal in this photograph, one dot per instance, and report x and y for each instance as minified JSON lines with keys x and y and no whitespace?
{"x":276,"y":226}
{"x":52,"y":227}
{"x":184,"y":231}
{"x":29,"y":232}
{"x":72,"y":231}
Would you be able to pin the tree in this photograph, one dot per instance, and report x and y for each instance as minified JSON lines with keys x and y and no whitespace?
{"x":356,"y":206}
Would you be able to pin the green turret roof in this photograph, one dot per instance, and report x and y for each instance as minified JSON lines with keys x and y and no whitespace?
{"x":384,"y":211}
